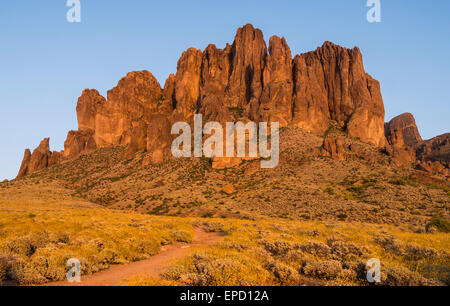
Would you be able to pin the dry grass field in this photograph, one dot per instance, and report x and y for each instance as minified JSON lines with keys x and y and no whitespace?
{"x":46,"y":227}
{"x":42,"y":226}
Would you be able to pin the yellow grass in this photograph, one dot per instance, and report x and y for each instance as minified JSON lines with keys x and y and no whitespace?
{"x":41,"y":227}
{"x":42,"y":230}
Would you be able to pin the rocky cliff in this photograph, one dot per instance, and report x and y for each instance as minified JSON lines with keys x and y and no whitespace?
{"x":406,"y":146}
{"x":244,"y":81}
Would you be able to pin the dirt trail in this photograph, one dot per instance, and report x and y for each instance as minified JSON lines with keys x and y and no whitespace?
{"x":151,"y":267}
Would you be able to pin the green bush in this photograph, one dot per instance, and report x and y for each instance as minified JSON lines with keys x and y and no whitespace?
{"x":440,"y":224}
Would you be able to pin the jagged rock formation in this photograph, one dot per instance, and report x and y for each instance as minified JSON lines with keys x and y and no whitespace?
{"x":333,"y":146}
{"x":402,"y":136}
{"x":402,"y":131}
{"x":434,"y":155}
{"x":406,"y":146}
{"x":331,"y":84}
{"x":25,"y":163}
{"x":244,"y":81}
{"x":78,"y":143}
{"x":41,"y":158}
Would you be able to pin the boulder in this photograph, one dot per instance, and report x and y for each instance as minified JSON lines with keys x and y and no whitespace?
{"x":229,"y":189}
{"x":333,"y":146}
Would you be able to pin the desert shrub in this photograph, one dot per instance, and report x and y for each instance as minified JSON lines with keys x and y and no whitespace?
{"x":213,"y":227}
{"x":142,"y":248}
{"x":296,"y":256}
{"x":345,"y":250}
{"x":182,"y":236}
{"x":399,"y":181}
{"x":330,"y":190}
{"x":401,"y":276}
{"x":110,"y":256}
{"x":229,"y":271}
{"x":96,"y":244}
{"x":348,"y":275}
{"x":328,"y":270}
{"x":59,"y":237}
{"x":277,"y":247}
{"x":193,"y":279}
{"x":25,"y":273}
{"x":25,"y":246}
{"x":49,"y":267}
{"x":417,"y":252}
{"x":389,"y":244}
{"x":5,"y":261}
{"x":174,"y":272}
{"x":286,"y":275}
{"x":235,"y":245}
{"x":210,"y":270}
{"x":319,"y":249}
{"x":439,"y":223}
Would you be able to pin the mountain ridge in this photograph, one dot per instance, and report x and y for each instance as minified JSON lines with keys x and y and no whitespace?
{"x":245,"y":81}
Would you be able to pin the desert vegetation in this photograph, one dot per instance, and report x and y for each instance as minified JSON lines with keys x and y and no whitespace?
{"x":42,"y":230}
{"x":48,"y":225}
{"x":310,"y":253}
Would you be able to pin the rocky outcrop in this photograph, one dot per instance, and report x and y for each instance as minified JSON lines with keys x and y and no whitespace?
{"x":242,"y":82}
{"x":402,"y":131}
{"x":276,"y":99}
{"x":159,"y":138}
{"x":402,"y":136}
{"x":247,"y":62}
{"x":78,"y":143}
{"x":434,"y":155}
{"x":331,"y":84}
{"x":37,"y":160}
{"x":135,"y":98}
{"x":405,"y":146}
{"x":23,"y":171}
{"x":138,"y":138}
{"x":333,"y":146}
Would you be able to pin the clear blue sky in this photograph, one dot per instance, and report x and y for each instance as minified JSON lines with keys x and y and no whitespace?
{"x":46,"y":62}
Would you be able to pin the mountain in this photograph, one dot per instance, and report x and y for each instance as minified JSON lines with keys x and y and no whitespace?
{"x":245,"y":81}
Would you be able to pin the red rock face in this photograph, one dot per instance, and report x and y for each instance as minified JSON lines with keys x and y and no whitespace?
{"x":36,"y":161}
{"x":334,"y":147}
{"x":402,"y":136}
{"x":331,"y":84}
{"x":406,"y":146}
{"x":434,"y":155}
{"x":159,"y":138}
{"x":402,"y":131}
{"x":187,"y":84}
{"x":244,"y":81}
{"x":78,"y":143}
{"x":23,"y":171}
{"x":276,"y":100}
{"x":248,"y":54}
